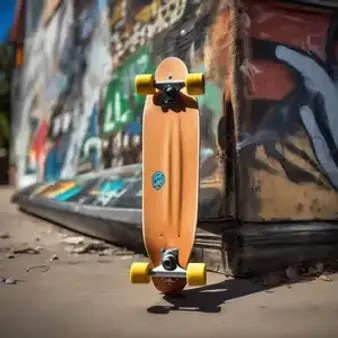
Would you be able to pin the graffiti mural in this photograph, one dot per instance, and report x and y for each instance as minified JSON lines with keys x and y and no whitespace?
{"x":60,"y":190}
{"x":122,"y":111}
{"x":268,"y":117}
{"x":84,"y":114}
{"x":60,"y":89}
{"x":268,"y":120}
{"x":285,"y":118}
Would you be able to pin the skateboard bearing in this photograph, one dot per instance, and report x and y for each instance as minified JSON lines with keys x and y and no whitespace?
{"x":169,"y":259}
{"x":169,"y":262}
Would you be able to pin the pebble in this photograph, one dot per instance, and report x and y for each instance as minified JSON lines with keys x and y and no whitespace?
{"x":73,"y":240}
{"x":54,"y":258}
{"x":7,"y":280}
{"x":93,"y":247}
{"x":124,"y":253}
{"x":106,"y":252}
{"x":10,"y":280}
{"x":126,"y":257}
{"x":325,"y":277}
{"x":4,"y":235}
{"x":27,"y":250}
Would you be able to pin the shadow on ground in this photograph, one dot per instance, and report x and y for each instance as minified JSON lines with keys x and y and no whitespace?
{"x":208,"y":298}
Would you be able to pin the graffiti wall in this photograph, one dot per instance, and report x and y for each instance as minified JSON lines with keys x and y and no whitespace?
{"x":269,"y":119}
{"x":79,"y":112}
{"x":283,"y":95}
{"x":67,"y":60}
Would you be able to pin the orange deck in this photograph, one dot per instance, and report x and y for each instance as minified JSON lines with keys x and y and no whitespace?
{"x":170,"y":147}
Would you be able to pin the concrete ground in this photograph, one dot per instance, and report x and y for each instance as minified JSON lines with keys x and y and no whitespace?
{"x":62,"y":294}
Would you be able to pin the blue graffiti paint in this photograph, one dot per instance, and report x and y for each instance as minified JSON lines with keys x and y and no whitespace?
{"x":93,"y":131}
{"x":102,"y":4}
{"x":65,"y":196}
{"x":158,"y":180}
{"x":56,"y":157}
{"x":112,"y":186}
{"x":52,"y":166}
{"x":134,"y":128}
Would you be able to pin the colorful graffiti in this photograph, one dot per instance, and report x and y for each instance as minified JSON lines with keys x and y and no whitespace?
{"x":268,"y":117}
{"x":122,"y":111}
{"x":121,"y":188}
{"x":81,"y":122}
{"x":59,"y":191}
{"x":285,"y":126}
{"x":62,"y":108}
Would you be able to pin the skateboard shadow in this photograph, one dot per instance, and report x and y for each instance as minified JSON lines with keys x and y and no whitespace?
{"x":208,"y":298}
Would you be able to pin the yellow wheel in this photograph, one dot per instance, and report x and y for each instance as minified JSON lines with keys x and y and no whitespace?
{"x":144,"y":84}
{"x":196,"y":274}
{"x":194,"y":84}
{"x":139,"y":273}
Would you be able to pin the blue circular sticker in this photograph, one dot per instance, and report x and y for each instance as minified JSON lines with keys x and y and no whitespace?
{"x":158,"y":180}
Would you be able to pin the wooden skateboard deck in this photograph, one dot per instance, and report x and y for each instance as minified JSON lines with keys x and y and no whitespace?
{"x":171,"y":142}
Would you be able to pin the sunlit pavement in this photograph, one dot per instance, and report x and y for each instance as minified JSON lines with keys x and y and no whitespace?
{"x":59,"y":294}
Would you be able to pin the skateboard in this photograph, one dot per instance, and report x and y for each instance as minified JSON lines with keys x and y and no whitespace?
{"x":171,"y":142}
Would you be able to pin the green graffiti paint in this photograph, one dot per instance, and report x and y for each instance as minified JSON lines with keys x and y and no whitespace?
{"x":121,"y":104}
{"x":213,"y":96}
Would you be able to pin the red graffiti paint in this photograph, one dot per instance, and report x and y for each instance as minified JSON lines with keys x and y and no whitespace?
{"x":39,"y":146}
{"x":39,"y":142}
{"x":297,"y":28}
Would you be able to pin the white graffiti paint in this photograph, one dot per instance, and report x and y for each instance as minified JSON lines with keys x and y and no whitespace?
{"x":78,"y":135}
{"x":109,"y":121}
{"x":40,"y":51}
{"x":317,"y":81}
{"x":136,"y":140}
{"x":105,"y":197}
{"x":114,"y":115}
{"x":62,"y":124}
{"x":50,"y":60}
{"x":167,"y":14}
{"x":97,"y":73}
{"x":92,"y":143}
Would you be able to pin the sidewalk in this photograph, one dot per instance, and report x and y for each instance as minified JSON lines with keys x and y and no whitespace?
{"x":62,"y":294}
